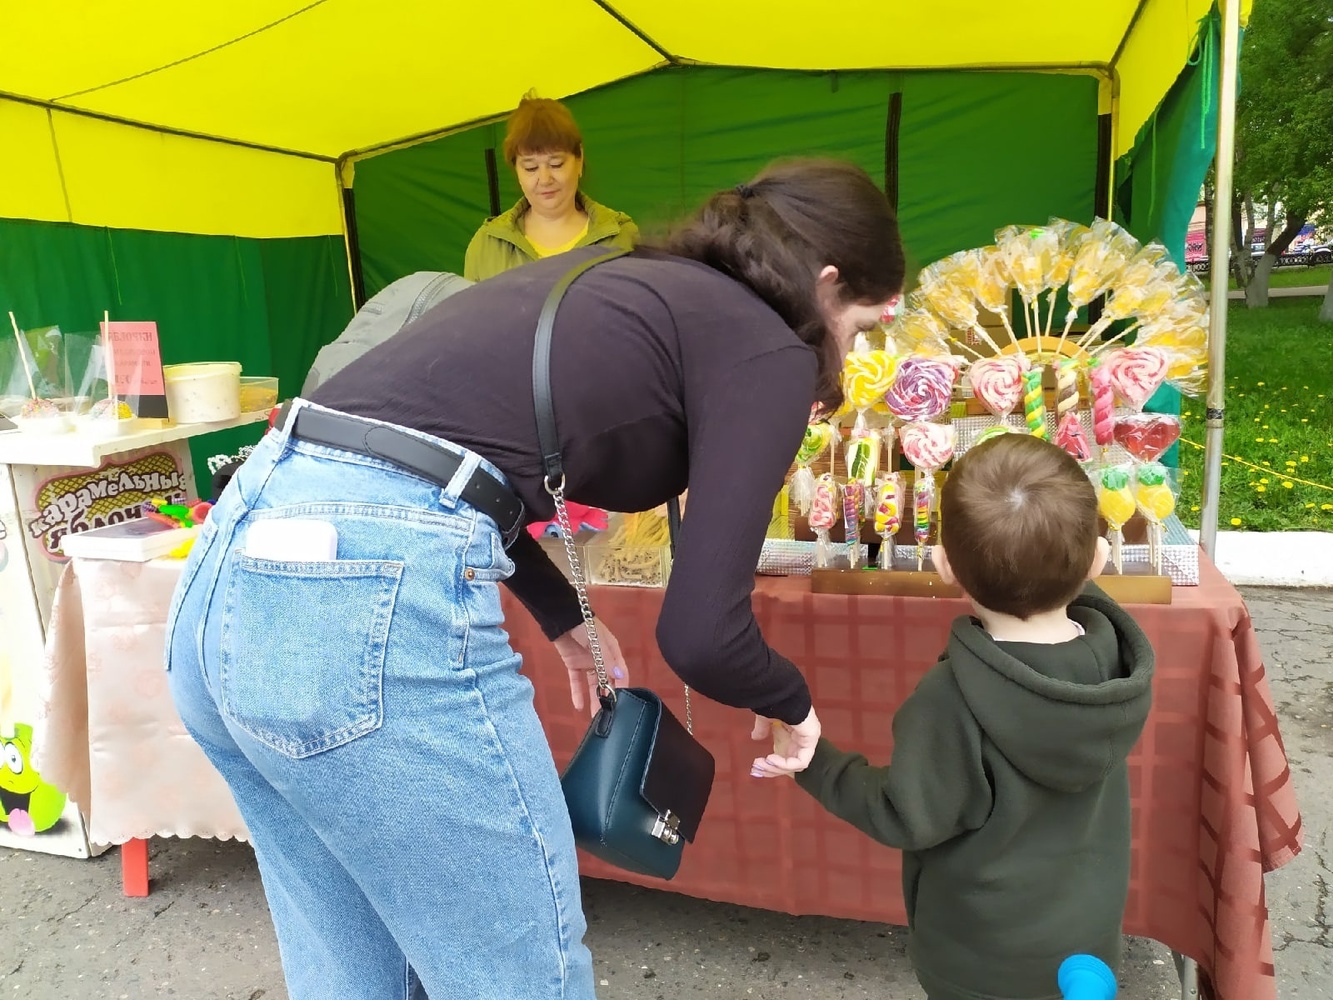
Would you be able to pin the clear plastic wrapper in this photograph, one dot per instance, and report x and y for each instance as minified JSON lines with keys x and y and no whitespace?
{"x":853,"y":506}
{"x":818,"y":439}
{"x":1034,"y":402}
{"x":1156,"y":499}
{"x":922,"y":389}
{"x":1147,"y":436}
{"x":1136,"y":373}
{"x":1103,"y":405}
{"x":998,"y":383}
{"x":824,"y":513}
{"x":888,"y":515}
{"x":929,"y":447}
{"x":1116,"y":503}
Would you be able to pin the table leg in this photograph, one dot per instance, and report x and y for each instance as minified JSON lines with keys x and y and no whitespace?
{"x":1188,"y":971}
{"x":134,"y":867}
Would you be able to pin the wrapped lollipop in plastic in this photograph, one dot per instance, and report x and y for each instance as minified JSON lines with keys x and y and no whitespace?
{"x":998,"y":383}
{"x":1136,"y":373}
{"x":991,"y":284}
{"x":922,"y":388}
{"x":1174,"y":312}
{"x":1069,"y":433}
{"x":1147,"y":436}
{"x":818,"y":438}
{"x":1103,"y":406}
{"x":888,"y":515}
{"x":940,"y":293}
{"x":1030,"y":253}
{"x":824,"y":511}
{"x":1070,"y":236}
{"x":1034,"y":402}
{"x":1102,"y":256}
{"x":1116,"y":503}
{"x":1146,"y":285}
{"x":998,"y":430}
{"x":1157,"y":501}
{"x":929,"y":447}
{"x":853,"y":506}
{"x":866,"y":376}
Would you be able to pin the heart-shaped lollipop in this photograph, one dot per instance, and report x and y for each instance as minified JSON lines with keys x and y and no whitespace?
{"x":1147,"y":436}
{"x":1136,"y":373}
{"x":998,"y":383}
{"x":927,"y":446}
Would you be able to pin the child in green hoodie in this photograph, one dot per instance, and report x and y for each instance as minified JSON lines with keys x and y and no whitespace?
{"x":1008,"y":790}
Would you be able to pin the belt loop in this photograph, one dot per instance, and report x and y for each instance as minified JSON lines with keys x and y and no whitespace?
{"x":450,"y":495}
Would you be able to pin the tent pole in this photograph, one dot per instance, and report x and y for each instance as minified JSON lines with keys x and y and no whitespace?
{"x":1220,"y":258}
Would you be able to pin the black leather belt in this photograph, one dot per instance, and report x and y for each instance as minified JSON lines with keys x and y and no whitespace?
{"x":431,"y":462}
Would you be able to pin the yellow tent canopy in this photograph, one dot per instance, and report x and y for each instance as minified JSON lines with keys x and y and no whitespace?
{"x":235,"y":118}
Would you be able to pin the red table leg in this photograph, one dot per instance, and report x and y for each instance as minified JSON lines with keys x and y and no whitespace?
{"x":134,"y":867}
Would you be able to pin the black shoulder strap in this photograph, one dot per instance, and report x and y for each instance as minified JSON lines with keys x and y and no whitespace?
{"x":548,"y":436}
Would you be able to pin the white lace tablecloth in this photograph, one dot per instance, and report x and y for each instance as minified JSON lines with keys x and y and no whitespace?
{"x":110,"y":736}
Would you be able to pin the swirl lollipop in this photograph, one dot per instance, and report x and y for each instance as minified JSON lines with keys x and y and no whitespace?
{"x":866,"y":377}
{"x":928,"y":447}
{"x":998,"y":383}
{"x":823,"y":515}
{"x":1103,"y":406}
{"x":818,"y":438}
{"x":1136,"y":373}
{"x":1116,"y":504}
{"x":922,"y":389}
{"x":1157,"y":501}
{"x":888,"y":515}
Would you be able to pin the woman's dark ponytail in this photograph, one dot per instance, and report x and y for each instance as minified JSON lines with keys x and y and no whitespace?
{"x":776,"y":233}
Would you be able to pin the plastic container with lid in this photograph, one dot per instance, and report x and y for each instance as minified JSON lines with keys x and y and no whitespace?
{"x":258,"y":393}
{"x":203,"y":392}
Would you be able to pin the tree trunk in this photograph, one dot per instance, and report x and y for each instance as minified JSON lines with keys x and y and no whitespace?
{"x":1326,"y":313}
{"x":1256,"y":292}
{"x":1242,"y":235}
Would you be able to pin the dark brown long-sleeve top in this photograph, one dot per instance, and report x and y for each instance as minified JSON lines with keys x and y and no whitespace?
{"x":665,"y":374}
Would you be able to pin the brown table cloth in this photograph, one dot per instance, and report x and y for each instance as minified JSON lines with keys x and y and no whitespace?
{"x":1214,"y":807}
{"x":1213,"y":801}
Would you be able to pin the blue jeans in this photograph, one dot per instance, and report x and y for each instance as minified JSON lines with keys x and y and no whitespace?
{"x":370,"y":719}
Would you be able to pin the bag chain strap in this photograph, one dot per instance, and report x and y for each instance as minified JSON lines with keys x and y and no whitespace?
{"x":604,"y":688}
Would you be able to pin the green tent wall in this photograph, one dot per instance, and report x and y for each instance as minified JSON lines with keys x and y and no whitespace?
{"x":269,"y":304}
{"x":974,"y":151}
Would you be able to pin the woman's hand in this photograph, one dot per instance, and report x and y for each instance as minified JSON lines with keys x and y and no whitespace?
{"x":793,"y":746}
{"x":573,"y":649}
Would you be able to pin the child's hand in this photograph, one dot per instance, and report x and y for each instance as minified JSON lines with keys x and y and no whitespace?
{"x":793,"y":746}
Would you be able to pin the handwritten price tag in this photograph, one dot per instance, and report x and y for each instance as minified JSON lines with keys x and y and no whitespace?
{"x":134,"y":366}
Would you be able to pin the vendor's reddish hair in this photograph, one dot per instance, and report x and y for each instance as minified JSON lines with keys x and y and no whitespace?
{"x":541,"y":125}
{"x":1018,"y":520}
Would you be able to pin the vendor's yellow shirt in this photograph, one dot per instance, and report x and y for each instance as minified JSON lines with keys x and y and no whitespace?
{"x":552,"y":251}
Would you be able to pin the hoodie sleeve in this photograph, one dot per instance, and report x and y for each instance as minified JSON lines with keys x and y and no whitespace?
{"x":933,"y":789}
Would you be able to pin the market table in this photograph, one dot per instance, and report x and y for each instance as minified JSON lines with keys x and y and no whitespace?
{"x":1214,"y":807}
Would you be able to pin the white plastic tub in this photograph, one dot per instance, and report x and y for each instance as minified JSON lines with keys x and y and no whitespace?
{"x":204,"y":392}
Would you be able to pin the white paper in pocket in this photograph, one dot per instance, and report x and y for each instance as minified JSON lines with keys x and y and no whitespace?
{"x":292,"y":540}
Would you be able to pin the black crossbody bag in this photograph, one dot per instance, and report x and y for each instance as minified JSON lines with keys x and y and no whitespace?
{"x":639,"y":782}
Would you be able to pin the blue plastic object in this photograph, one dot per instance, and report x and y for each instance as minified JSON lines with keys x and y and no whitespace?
{"x":1085,"y":977}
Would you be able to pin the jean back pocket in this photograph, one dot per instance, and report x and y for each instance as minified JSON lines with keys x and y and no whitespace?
{"x":303,"y":646}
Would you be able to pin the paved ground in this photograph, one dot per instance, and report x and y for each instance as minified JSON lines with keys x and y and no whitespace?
{"x":66,"y":932}
{"x":1285,"y":293}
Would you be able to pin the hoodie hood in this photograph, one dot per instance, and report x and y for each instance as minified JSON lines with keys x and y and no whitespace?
{"x":1062,"y":714}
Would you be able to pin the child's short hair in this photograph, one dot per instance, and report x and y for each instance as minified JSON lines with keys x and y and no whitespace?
{"x":1018,"y":520}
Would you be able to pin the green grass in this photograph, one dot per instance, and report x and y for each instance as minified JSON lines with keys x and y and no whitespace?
{"x":1293,"y":277}
{"x":1279,"y":418}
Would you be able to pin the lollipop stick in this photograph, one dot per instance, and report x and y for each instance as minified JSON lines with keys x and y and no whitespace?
{"x":1118,"y":337}
{"x":23,"y":356}
{"x":984,"y":334}
{"x":1050,"y":315}
{"x":959,"y":342}
{"x":1117,"y":554}
{"x":1096,"y":330}
{"x":1035,"y":306}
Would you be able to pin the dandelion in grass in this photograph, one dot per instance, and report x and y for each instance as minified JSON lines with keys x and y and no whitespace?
{"x":1326,"y":506}
{"x":1235,"y":522}
{"x":1287,"y":484}
{"x":1261,"y":489}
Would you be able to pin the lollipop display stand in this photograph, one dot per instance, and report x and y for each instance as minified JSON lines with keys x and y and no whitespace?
{"x":52,"y":484}
{"x":978,"y":352}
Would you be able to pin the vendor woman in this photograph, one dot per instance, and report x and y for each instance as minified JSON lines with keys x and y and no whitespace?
{"x":545,"y":148}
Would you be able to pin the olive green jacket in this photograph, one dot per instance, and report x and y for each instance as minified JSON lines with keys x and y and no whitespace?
{"x":500,"y":245}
